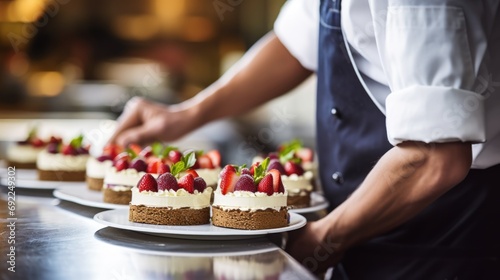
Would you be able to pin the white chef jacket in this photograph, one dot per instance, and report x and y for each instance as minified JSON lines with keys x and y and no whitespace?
{"x":431,"y":66}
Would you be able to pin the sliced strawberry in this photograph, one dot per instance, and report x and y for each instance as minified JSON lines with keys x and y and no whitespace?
{"x":121,"y":164}
{"x":228,"y":178}
{"x":175,"y":156}
{"x":252,"y":168}
{"x":163,"y":168}
{"x":293,"y":168}
{"x":205,"y":162}
{"x":277,"y":184}
{"x":199,"y":184}
{"x":214,"y":155}
{"x":146,"y":152}
{"x":167,"y":181}
{"x":112,"y":150}
{"x":192,"y":172}
{"x":123,"y":155}
{"x":37,"y":142}
{"x":276,"y":164}
{"x":136,"y":148}
{"x":245,"y":183}
{"x":157,"y":167}
{"x":266,"y":184}
{"x":187,"y":183}
{"x":273,"y":155}
{"x":147,"y":183}
{"x":306,"y":154}
{"x":69,"y":150}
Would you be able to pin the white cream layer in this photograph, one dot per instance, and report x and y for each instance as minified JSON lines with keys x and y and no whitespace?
{"x":23,"y":153}
{"x":97,"y":169}
{"x":128,"y":177}
{"x":295,"y":184}
{"x":249,"y":201}
{"x":211,"y":176}
{"x":174,"y":199}
{"x":48,"y":161}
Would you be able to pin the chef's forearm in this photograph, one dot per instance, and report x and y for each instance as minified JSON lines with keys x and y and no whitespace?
{"x":405,"y":180}
{"x":267,"y":71}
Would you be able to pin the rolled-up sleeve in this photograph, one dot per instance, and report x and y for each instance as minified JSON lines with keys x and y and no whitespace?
{"x":297,"y":27}
{"x":432,"y":63}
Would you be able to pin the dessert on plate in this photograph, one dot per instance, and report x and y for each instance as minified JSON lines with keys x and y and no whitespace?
{"x":250,"y":198}
{"x":127,"y":169}
{"x":208,"y":167}
{"x":172,"y":199}
{"x":23,"y":154}
{"x":291,"y":160}
{"x":63,"y":162}
{"x":98,"y":166}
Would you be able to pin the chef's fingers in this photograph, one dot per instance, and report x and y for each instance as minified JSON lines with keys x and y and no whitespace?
{"x":130,"y":117}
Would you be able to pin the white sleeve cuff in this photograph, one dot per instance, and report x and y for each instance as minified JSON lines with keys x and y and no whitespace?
{"x":435,"y":114}
{"x":297,"y":27}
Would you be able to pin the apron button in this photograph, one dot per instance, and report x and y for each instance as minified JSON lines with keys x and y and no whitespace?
{"x":335,"y":112}
{"x":337,"y":177}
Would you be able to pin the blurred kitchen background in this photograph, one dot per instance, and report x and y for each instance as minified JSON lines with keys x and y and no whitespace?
{"x":86,"y":58}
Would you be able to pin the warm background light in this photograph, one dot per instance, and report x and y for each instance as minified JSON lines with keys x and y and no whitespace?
{"x":45,"y":84}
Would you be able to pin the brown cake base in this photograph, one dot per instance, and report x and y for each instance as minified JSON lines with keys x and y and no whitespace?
{"x":121,"y":197}
{"x":169,"y":216}
{"x":60,"y":175}
{"x":95,"y":184}
{"x":298,"y":201}
{"x":260,"y":219}
{"x":22,"y":165}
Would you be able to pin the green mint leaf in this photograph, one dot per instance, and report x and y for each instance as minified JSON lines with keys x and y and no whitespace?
{"x":260,"y":170}
{"x":131,"y":153}
{"x":157,"y":149}
{"x":32,"y":133}
{"x":286,"y":157}
{"x":239,"y":168}
{"x":77,"y":142}
{"x":199,"y":153}
{"x":177,"y":168}
{"x":189,"y":160}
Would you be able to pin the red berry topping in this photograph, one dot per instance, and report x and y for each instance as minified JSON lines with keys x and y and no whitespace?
{"x":192,"y":172}
{"x":306,"y":154}
{"x":163,"y":168}
{"x":266,"y":185}
{"x":277,"y":184}
{"x":124,"y":155}
{"x":252,"y":168}
{"x":273,"y":155}
{"x":147,"y":183}
{"x":276,"y":164}
{"x":199,"y":184}
{"x":175,"y":156}
{"x":104,"y":158}
{"x":121,"y":164}
{"x":167,"y":181}
{"x":157,"y":167}
{"x":112,"y":150}
{"x":139,"y":165}
{"x":214,"y":155}
{"x":187,"y":183}
{"x":245,"y":171}
{"x":37,"y":142}
{"x":205,"y":162}
{"x":55,"y":140}
{"x":82,"y":150}
{"x":136,"y":148}
{"x":146,"y":152}
{"x":228,"y":179}
{"x":69,"y":150}
{"x":293,"y":168}
{"x":245,"y":183}
{"x":53,"y":148}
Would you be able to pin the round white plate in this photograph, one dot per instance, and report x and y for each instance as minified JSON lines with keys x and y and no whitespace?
{"x":82,"y":195}
{"x":318,"y":202}
{"x":40,"y":185}
{"x":118,"y":218}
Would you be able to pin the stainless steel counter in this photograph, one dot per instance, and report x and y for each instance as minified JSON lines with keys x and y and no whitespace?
{"x":59,"y":240}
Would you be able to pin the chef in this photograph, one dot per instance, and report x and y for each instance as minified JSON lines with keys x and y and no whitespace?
{"x":408,"y":131}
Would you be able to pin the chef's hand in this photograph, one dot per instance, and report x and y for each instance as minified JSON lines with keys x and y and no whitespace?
{"x":311,"y":247}
{"x":144,"y":122}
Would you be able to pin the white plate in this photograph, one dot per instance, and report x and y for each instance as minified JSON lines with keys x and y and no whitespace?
{"x":40,"y":185}
{"x":118,"y":218}
{"x":82,"y":195}
{"x":318,"y":202}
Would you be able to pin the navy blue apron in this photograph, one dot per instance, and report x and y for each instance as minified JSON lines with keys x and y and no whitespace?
{"x":457,"y":237}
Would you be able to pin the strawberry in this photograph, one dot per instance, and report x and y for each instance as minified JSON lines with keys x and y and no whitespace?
{"x":205,"y":162}
{"x":104,"y":158}
{"x":167,"y":181}
{"x":146,"y":152}
{"x":252,"y":168}
{"x":245,"y":171}
{"x":121,"y":164}
{"x":112,"y":150}
{"x":293,"y":168}
{"x":228,"y":178}
{"x":187,"y":183}
{"x":273,"y":155}
{"x":124,"y":155}
{"x":136,"y":148}
{"x":214,"y":155}
{"x":175,"y":156}
{"x":157,"y":167}
{"x":276,"y":164}
{"x":69,"y":150}
{"x":163,"y":168}
{"x":37,"y":142}
{"x":306,"y":154}
{"x":192,"y":172}
{"x":54,"y":139}
{"x":277,"y":184}
{"x":245,"y":183}
{"x":53,"y":148}
{"x":266,"y":184}
{"x":147,"y":183}
{"x":199,"y":184}
{"x":139,"y":164}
